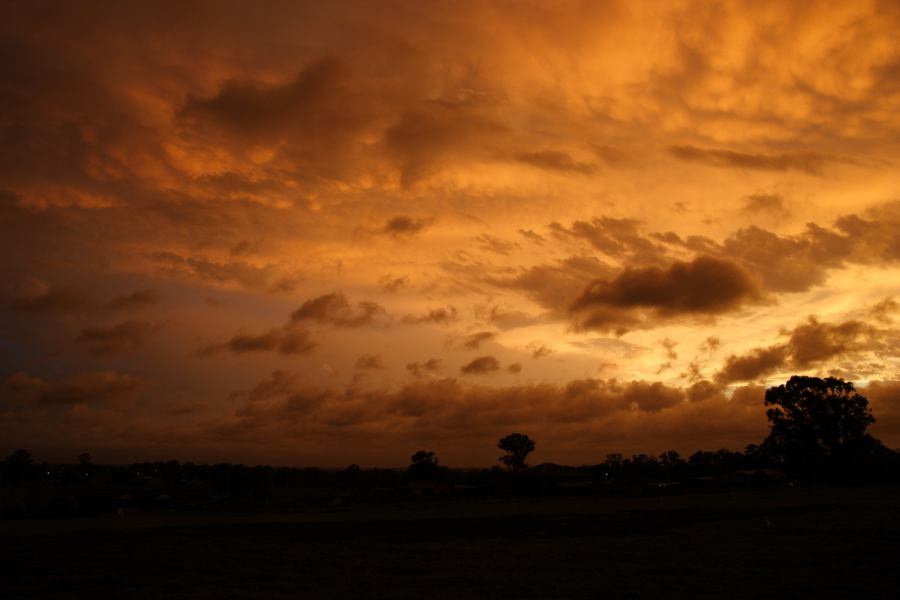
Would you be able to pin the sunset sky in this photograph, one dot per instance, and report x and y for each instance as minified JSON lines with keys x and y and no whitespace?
{"x":322,"y":233}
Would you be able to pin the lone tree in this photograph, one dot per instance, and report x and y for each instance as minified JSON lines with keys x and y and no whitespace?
{"x":424,"y":465}
{"x":818,"y":422}
{"x":517,"y":447}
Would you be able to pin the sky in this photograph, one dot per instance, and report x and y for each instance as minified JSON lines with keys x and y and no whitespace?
{"x":314,"y":233}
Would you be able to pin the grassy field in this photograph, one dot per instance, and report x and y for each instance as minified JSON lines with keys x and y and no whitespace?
{"x":791,"y":543}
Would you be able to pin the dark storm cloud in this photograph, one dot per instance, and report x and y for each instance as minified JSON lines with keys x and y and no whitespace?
{"x":335,"y":309}
{"x":783,"y":263}
{"x":554,"y":285}
{"x":884,"y":400}
{"x":506,"y":318}
{"x":616,"y":238}
{"x":702,"y":391}
{"x":611,"y":155}
{"x":369,"y":362}
{"x":122,"y":337}
{"x":432,"y":134}
{"x":437,"y":316}
{"x":37,"y":297}
{"x":778,"y":263}
{"x":703,"y":286}
{"x":808,"y":344}
{"x":539,"y":349}
{"x":816,"y":341}
{"x":753,"y":365}
{"x":765,"y":203}
{"x":531,"y":236}
{"x":813,"y":163}
{"x":392,"y":284}
{"x":430,"y":366}
{"x":554,"y":160}
{"x":314,"y":119}
{"x":243,"y":248}
{"x":475,"y":340}
{"x":493,"y":244}
{"x":285,"y":340}
{"x":480,"y":366}
{"x":60,"y":300}
{"x":136,"y":299}
{"x":277,"y":383}
{"x":101,"y":388}
{"x":267,"y":278}
{"x":311,"y":102}
{"x":651,"y":397}
{"x":405,"y":226}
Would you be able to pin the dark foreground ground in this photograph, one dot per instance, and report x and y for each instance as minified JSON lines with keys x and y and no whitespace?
{"x":790,"y":543}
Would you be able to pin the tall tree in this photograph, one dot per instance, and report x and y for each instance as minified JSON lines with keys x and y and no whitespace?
{"x":517,"y":447}
{"x":424,"y":465}
{"x":817,"y":422}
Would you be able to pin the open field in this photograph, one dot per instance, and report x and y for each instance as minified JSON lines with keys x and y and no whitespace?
{"x":789,"y":543}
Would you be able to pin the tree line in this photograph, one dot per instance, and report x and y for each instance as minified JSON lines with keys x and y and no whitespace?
{"x":818,"y":432}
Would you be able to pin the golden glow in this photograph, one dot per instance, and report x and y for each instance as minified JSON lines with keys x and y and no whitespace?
{"x":721,"y":177}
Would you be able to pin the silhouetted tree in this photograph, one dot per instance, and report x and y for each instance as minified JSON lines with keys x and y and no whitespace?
{"x":818,"y":423}
{"x":517,"y":447}
{"x":424,"y":465}
{"x":672,"y":464}
{"x":18,"y":466}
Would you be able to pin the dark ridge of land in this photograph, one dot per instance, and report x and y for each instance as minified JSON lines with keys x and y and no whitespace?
{"x":786,"y":543}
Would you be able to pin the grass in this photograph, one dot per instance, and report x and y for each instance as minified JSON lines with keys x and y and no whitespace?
{"x":792,"y":543}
